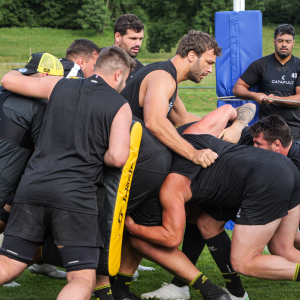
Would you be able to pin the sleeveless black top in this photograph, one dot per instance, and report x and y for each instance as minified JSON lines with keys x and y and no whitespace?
{"x":66,"y":167}
{"x":132,"y":89}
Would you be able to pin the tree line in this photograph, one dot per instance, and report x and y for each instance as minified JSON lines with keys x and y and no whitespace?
{"x":166,"y":20}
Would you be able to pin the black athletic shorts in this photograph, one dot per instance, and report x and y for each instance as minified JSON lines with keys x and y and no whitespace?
{"x":221,"y":213}
{"x":265,"y":203}
{"x":143,"y":205}
{"x":30,"y":222}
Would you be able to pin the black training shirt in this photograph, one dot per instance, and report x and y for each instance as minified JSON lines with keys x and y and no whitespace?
{"x":132,"y":89}
{"x":294,"y":153}
{"x":27,"y":113}
{"x":281,"y":80}
{"x":225,"y":181}
{"x":150,"y":147}
{"x":138,"y":66}
{"x":66,"y":167}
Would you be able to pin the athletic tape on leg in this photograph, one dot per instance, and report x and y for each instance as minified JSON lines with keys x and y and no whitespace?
{"x":117,"y":183}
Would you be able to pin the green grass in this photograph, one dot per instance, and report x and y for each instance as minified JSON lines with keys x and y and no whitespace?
{"x":36,"y":287}
{"x":16,"y":43}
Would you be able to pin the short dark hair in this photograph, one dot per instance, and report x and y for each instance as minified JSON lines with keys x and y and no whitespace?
{"x":82,"y":47}
{"x":113,"y":58}
{"x":128,"y":22}
{"x":273,"y":128}
{"x":199,"y":42}
{"x":284,"y":29}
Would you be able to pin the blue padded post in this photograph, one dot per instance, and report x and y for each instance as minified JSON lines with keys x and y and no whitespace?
{"x":240,"y":36}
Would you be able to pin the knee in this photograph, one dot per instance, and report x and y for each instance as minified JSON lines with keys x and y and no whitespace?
{"x":209,"y":230}
{"x":87,"y":276}
{"x":280,"y":249}
{"x":241,"y":266}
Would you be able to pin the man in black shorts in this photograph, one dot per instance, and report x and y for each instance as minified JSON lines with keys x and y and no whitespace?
{"x":153,"y":96}
{"x":21,"y":121}
{"x":143,"y":206}
{"x":80,"y":59}
{"x":278,"y":77}
{"x":87,"y":123}
{"x":129,"y":35}
{"x":263,"y":184}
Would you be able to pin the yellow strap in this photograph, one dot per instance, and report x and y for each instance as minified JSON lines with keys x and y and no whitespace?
{"x":115,"y":245}
{"x":296,"y":272}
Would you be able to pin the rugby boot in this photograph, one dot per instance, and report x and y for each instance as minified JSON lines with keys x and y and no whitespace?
{"x":169,"y":291}
{"x":48,"y":270}
{"x":11,"y":284}
{"x":245,"y":297}
{"x":143,"y":268}
{"x":217,"y":294}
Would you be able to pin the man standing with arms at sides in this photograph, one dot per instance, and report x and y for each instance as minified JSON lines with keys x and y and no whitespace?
{"x":80,"y":59}
{"x":87,"y":124}
{"x":129,"y":34}
{"x":277,"y":76}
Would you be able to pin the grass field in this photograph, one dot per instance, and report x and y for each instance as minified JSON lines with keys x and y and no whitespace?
{"x":16,"y":44}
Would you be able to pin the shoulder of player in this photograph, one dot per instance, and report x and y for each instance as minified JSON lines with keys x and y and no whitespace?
{"x":261,"y":61}
{"x":161,"y":78}
{"x":23,"y":102}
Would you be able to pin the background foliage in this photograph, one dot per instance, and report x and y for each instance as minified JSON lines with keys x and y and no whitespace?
{"x":166,"y":20}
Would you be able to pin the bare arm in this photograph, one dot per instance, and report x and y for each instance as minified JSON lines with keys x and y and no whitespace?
{"x":179,"y":114}
{"x":245,"y":114}
{"x":173,"y":194}
{"x":292,"y":98}
{"x":241,"y":90}
{"x":156,"y":103}
{"x":119,"y":138}
{"x":18,"y":83}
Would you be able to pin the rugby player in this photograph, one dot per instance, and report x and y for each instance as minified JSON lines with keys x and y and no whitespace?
{"x":278,"y":77}
{"x":80,"y":59}
{"x":129,"y":35}
{"x":87,"y":123}
{"x":262,"y":184}
{"x":21,"y":122}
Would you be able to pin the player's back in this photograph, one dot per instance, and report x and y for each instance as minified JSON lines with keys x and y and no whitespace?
{"x":68,"y":160}
{"x":227,"y":179}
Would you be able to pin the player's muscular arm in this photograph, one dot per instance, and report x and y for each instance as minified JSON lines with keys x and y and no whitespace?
{"x":241,"y":90}
{"x":214,"y":122}
{"x":156,"y":103}
{"x":292,"y":98}
{"x":18,"y":83}
{"x":179,"y":114}
{"x":119,"y":138}
{"x":174,"y":192}
{"x":245,"y":114}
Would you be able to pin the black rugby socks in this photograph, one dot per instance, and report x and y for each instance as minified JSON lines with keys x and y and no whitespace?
{"x":209,"y":290}
{"x":192,"y":246}
{"x":297,"y":273}
{"x":103,"y":292}
{"x":219,"y":247}
{"x":120,"y":287}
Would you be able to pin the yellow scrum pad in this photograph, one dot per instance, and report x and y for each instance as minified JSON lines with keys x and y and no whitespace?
{"x":115,"y":245}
